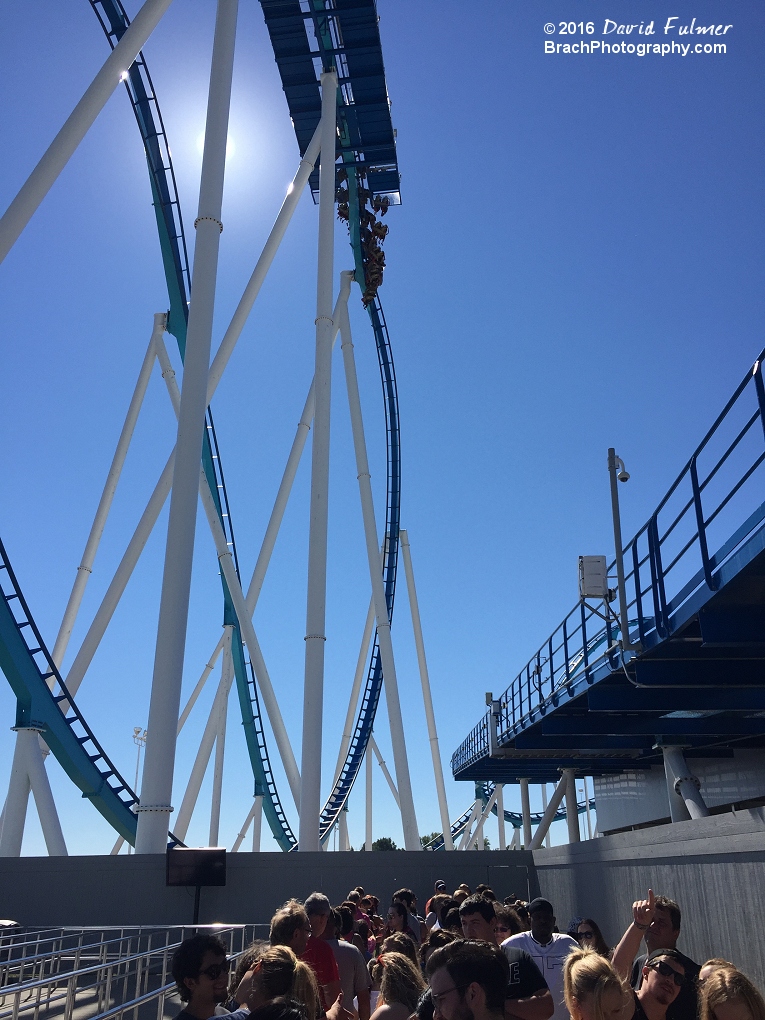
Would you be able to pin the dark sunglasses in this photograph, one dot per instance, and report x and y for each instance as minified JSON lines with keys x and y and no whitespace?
{"x":214,"y":971}
{"x":584,"y":935}
{"x":666,"y":971}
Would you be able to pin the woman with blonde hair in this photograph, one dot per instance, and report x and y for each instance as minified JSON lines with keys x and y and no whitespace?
{"x":727,"y":994}
{"x":400,"y":983}
{"x":592,"y":989}
{"x":279,"y":974}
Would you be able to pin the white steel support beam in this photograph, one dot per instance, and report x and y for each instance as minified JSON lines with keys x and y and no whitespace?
{"x":227,"y":678}
{"x":85,"y":568}
{"x":427,"y":698}
{"x":159,"y":763}
{"x":17,"y":800}
{"x":202,"y":760}
{"x":544,"y":808}
{"x":390,"y":681}
{"x":315,"y":638}
{"x":162,"y":488}
{"x":547,"y":818}
{"x":28,"y":773}
{"x":587,"y":809}
{"x":46,"y":806}
{"x":515,"y":843}
{"x":465,"y":841}
{"x":572,"y":809}
{"x":210,"y":666}
{"x":501,"y":816}
{"x":482,"y":818}
{"x":384,"y":770}
{"x":525,"y":812}
{"x":684,"y":783}
{"x":358,"y":676}
{"x":345,"y":843}
{"x":44,"y":175}
{"x":368,"y":820}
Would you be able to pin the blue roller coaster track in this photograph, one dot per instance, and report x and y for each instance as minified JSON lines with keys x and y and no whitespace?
{"x":43,"y":700}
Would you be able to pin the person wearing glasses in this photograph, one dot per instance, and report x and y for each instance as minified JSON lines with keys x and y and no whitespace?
{"x":589,"y":936}
{"x":657,"y":920}
{"x":470,"y":980}
{"x":200,"y":970}
{"x":663,"y":975}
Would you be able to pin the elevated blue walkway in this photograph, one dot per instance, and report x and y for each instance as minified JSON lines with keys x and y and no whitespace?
{"x":696,"y":606}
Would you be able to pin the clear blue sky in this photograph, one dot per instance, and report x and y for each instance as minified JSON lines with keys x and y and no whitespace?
{"x":577,"y":264}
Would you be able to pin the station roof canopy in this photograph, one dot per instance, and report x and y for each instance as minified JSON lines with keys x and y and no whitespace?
{"x":309,"y":36}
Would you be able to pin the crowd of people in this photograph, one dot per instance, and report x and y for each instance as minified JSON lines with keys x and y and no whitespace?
{"x":468,"y":957}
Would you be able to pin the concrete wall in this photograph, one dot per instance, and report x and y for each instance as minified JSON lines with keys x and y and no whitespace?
{"x":131,"y":890}
{"x":714,"y":868}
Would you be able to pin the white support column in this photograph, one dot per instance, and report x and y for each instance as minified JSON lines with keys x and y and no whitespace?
{"x":403,"y":779}
{"x":684,"y":784}
{"x":465,"y":841}
{"x":120,"y":579}
{"x":157,"y":786}
{"x":544,"y":808}
{"x":587,"y":809}
{"x":427,"y":698}
{"x":257,"y":823}
{"x":209,"y":667}
{"x":202,"y":760}
{"x":345,"y":843}
{"x":368,"y":833}
{"x":243,"y":613}
{"x":572,"y":808}
{"x":515,"y":843}
{"x":358,"y":676}
{"x":227,"y":678}
{"x":501,"y":816}
{"x":385,"y":772}
{"x":15,"y":811}
{"x":313,"y":688}
{"x":547,"y":818}
{"x":44,"y":175}
{"x":525,"y":812}
{"x":110,"y":487}
{"x":270,"y":248}
{"x":478,"y":838}
{"x":46,"y":807}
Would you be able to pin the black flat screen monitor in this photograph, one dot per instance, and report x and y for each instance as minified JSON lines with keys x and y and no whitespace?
{"x":196,"y":866}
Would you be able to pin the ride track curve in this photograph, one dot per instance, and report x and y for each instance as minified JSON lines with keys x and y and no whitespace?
{"x":56,"y":716}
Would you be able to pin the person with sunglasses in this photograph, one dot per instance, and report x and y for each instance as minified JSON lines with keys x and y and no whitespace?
{"x":200,"y":970}
{"x":663,"y":974}
{"x":589,"y":936}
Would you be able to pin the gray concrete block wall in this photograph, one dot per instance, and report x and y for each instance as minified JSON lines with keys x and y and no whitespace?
{"x":713,"y":868}
{"x":131,"y":890}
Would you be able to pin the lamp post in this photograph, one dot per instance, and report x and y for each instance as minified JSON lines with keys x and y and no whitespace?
{"x":617,"y":472}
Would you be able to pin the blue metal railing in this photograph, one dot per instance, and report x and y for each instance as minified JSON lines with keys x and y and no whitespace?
{"x":714,"y":503}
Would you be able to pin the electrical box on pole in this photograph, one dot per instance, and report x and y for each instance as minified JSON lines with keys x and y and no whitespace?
{"x":593,"y":577}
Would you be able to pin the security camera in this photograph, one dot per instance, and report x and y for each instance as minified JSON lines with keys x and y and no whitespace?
{"x":623,"y":476}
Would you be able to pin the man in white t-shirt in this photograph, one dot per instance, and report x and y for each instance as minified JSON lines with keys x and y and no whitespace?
{"x":547,"y":948}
